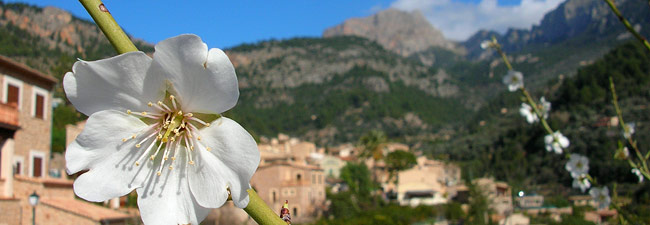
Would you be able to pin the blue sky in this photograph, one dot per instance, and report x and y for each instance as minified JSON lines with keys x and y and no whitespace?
{"x":226,"y":24}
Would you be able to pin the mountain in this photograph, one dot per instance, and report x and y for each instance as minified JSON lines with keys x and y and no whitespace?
{"x":401,"y":32}
{"x":583,"y":20}
{"x":332,"y":90}
{"x":53,"y":31}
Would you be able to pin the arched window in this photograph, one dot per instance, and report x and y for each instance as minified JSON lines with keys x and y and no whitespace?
{"x":295,"y":211}
{"x":298,"y":177}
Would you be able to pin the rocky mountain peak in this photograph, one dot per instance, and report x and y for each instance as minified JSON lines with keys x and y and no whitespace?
{"x":401,"y":32}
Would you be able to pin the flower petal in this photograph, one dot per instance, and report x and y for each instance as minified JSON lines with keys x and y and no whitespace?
{"x":166,"y":199}
{"x":205,"y":81}
{"x":100,"y":149}
{"x":234,"y":157}
{"x":116,"y":83}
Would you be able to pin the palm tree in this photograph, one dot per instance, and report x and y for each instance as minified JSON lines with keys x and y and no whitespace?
{"x":373,"y":144}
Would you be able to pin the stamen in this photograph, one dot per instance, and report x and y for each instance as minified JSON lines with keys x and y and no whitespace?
{"x":173,"y":100}
{"x":187,"y":151}
{"x":144,"y":154}
{"x":147,"y":138}
{"x":160,"y":103}
{"x":149,"y":104}
{"x":176,"y":150}
{"x":200,"y":121}
{"x":128,"y":111}
{"x":156,"y":153}
{"x":188,"y":115}
{"x":162,"y":162}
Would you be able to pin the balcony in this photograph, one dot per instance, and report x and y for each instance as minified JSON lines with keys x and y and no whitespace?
{"x":9,"y":116}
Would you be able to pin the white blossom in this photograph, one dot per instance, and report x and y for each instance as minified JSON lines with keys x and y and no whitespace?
{"x":628,"y":130}
{"x":638,"y":173}
{"x":514,"y":80}
{"x":486,"y":44}
{"x":154,"y":126}
{"x":556,"y":142}
{"x":578,"y":165}
{"x":528,"y":112}
{"x":581,"y":182}
{"x":601,"y":197}
{"x":544,"y":107}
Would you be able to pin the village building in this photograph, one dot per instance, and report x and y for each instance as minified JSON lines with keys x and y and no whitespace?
{"x":25,"y":134}
{"x":430,"y":182}
{"x":289,"y":171}
{"x":530,"y":201}
{"x":499,"y":196}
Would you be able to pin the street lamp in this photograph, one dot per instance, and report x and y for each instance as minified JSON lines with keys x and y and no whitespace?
{"x":33,"y":200}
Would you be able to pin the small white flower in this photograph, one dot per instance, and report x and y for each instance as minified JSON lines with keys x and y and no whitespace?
{"x":638,"y":173}
{"x":601,"y":197}
{"x":581,"y":182}
{"x":154,"y":125}
{"x":514,"y":80}
{"x":528,"y":112}
{"x":628,"y":130}
{"x":556,"y":142}
{"x":544,"y":107}
{"x":486,"y":44}
{"x":577,"y":165}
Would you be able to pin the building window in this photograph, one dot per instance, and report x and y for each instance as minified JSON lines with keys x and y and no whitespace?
{"x":295,"y":211}
{"x":37,"y":163}
{"x":12,"y":91}
{"x":298,"y":177}
{"x":273,"y":196}
{"x":39,"y":98}
{"x":18,"y":165}
{"x":313,"y":179}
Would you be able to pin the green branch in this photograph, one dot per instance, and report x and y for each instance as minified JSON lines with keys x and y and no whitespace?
{"x":109,"y":27}
{"x":256,"y":208}
{"x":644,"y":169}
{"x":260,"y":212}
{"x":627,"y":24}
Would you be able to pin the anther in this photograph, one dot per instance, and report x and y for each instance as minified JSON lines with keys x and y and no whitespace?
{"x":180,"y":113}
{"x":171,"y":167}
{"x":158,"y":173}
{"x":149,"y":104}
{"x":173,"y":158}
{"x":123,"y":139}
{"x":191,"y":162}
{"x":207,"y":124}
{"x":198,"y":138}
{"x":144,"y":113}
{"x":137,"y":145}
{"x":137,"y":163}
{"x":152,"y":157}
{"x":128,"y":111}
{"x":208,"y":148}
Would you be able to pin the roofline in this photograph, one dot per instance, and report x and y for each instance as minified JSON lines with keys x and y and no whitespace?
{"x":31,"y":72}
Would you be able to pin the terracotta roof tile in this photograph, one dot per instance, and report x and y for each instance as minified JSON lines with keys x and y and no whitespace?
{"x":84,"y":209}
{"x":32,"y":72}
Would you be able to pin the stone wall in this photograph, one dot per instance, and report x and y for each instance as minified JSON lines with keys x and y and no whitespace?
{"x":10,"y":211}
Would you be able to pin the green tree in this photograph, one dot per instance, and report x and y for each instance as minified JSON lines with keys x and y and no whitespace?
{"x":397,"y":161}
{"x":373,"y":144}
{"x":357,"y":177}
{"x":478,"y":205}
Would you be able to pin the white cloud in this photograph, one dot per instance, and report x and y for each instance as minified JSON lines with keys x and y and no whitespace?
{"x":459,"y":20}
